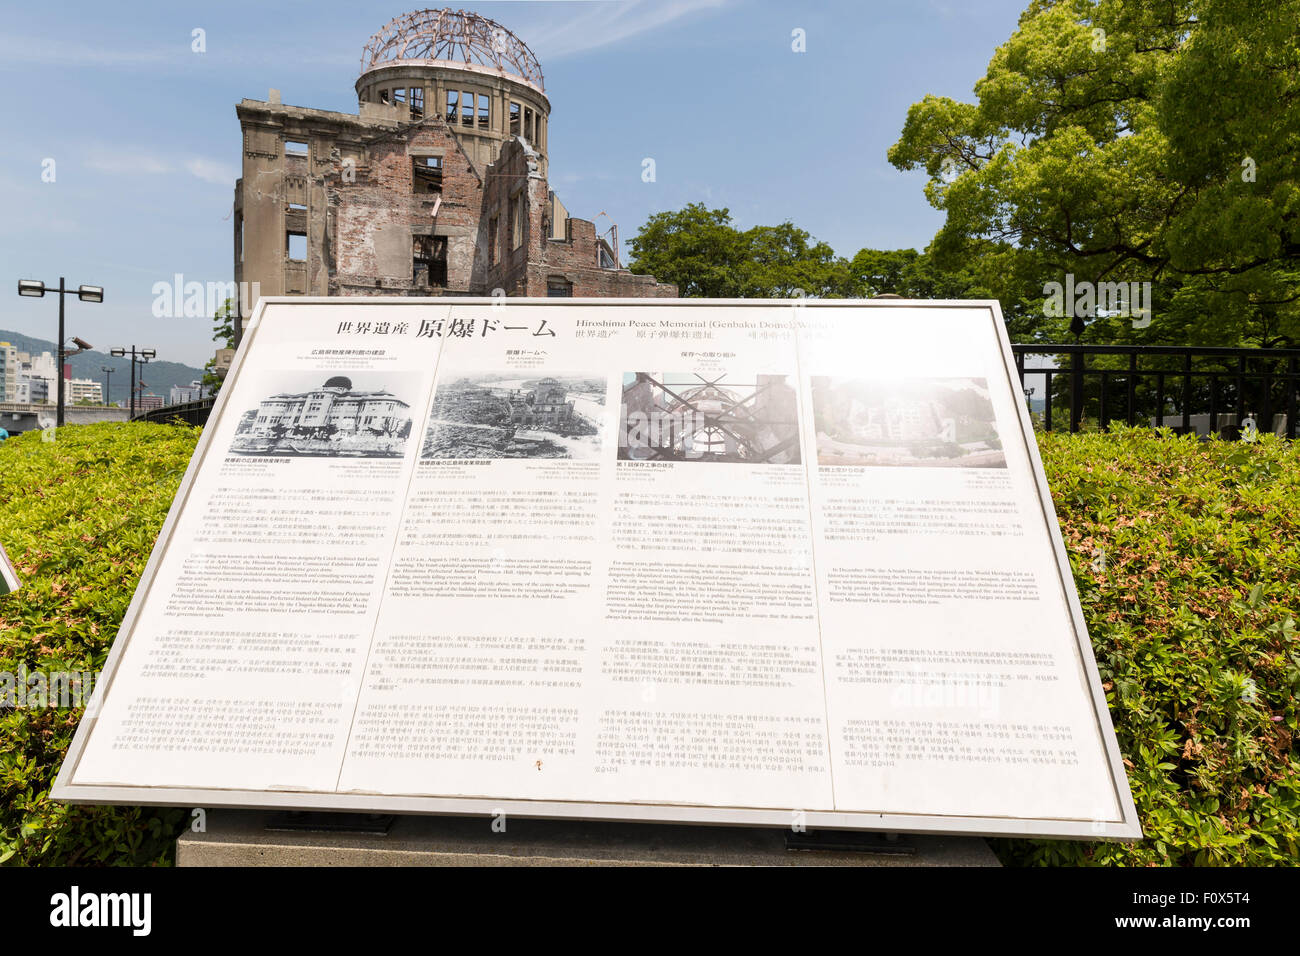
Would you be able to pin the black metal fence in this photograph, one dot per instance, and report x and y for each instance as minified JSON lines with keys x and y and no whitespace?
{"x":1204,"y":390}
{"x":190,"y":413}
{"x":1189,"y":388}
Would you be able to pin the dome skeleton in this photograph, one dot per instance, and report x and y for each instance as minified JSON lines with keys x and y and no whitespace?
{"x":451,"y":36}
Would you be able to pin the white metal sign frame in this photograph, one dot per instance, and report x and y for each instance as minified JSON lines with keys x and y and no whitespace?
{"x":1126,"y":828}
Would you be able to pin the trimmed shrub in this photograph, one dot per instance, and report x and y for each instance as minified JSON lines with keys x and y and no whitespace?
{"x":1187,"y":560}
{"x":78,"y":517}
{"x":1186,"y":556}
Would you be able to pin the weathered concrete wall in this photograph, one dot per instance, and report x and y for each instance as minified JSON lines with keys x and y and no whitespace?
{"x":576,"y":260}
{"x":516,"y":172}
{"x":376,"y":219}
{"x":354,"y":196}
{"x":480,"y":141}
{"x":279,"y":192}
{"x":540,"y":259}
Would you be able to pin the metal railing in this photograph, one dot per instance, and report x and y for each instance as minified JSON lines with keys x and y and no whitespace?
{"x":191,"y":413}
{"x":1204,"y":390}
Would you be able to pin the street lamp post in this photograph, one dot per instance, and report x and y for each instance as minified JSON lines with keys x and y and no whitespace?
{"x":141,"y":384}
{"x":138,"y":356}
{"x":108,"y":384}
{"x":86,"y":293}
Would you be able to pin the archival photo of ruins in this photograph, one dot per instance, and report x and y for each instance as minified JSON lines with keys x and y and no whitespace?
{"x":715,"y":417}
{"x":924,"y":422}
{"x":508,"y":415}
{"x":321,"y":415}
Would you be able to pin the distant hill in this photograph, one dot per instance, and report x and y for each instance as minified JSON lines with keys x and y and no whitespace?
{"x":158,"y":376}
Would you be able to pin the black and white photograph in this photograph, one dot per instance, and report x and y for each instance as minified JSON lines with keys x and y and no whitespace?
{"x":320,"y":414}
{"x":505,"y":415}
{"x":714,"y":417}
{"x":925,"y":422}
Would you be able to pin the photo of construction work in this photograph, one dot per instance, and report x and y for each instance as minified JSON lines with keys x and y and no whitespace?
{"x":506,"y":415}
{"x":714,"y":417}
{"x":922,"y":422}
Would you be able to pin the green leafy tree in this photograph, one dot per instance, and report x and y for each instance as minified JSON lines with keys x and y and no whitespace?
{"x":223,"y":332}
{"x":706,"y":256}
{"x":696,"y":248}
{"x":1131,"y":140}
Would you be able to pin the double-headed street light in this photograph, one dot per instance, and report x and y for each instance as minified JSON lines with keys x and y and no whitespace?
{"x":139,"y":356}
{"x":86,"y":293}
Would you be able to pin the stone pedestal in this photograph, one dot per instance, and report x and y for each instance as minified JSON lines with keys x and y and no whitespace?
{"x":242,"y":838}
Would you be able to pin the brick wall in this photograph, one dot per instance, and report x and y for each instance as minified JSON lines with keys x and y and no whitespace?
{"x":372,"y":222}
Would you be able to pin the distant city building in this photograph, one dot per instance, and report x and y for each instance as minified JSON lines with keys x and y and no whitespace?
{"x":9,"y":372}
{"x":192,"y":392}
{"x":29,"y":380}
{"x":334,"y":408}
{"x":147,"y":403}
{"x":34,"y":380}
{"x":82,"y":389}
{"x":33,"y":391}
{"x":37,"y":366}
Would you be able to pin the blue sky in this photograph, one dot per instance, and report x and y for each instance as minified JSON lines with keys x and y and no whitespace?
{"x":146,"y":145}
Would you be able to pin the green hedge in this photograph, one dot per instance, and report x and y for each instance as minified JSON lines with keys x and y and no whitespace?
{"x":1192,"y":613}
{"x":78,"y":517}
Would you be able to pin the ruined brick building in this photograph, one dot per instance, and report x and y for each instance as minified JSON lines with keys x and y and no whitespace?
{"x":437,"y":186}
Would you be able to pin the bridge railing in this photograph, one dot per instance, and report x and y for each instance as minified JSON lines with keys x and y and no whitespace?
{"x":191,"y":413}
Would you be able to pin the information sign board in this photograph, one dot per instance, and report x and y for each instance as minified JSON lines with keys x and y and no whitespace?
{"x":751,"y":562}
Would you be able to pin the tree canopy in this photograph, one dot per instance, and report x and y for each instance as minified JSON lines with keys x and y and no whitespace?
{"x":1131,"y":140}
{"x":707,"y":256}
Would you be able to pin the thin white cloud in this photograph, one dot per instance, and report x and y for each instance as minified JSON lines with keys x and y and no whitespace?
{"x":70,"y":53}
{"x":564,"y":30}
{"x":596,"y":25}
{"x":125,"y":162}
{"x":120,"y":162}
{"x":211,"y":171}
{"x":17,"y":52}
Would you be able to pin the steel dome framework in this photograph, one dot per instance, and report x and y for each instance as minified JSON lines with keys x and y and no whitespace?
{"x":451,"y":36}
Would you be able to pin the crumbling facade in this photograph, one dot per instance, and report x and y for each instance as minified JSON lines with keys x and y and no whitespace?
{"x":437,"y":186}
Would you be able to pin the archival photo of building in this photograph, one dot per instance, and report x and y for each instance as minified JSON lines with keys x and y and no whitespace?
{"x":715,"y":417}
{"x":926,"y":422}
{"x":505,"y":415}
{"x":322,"y":415}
